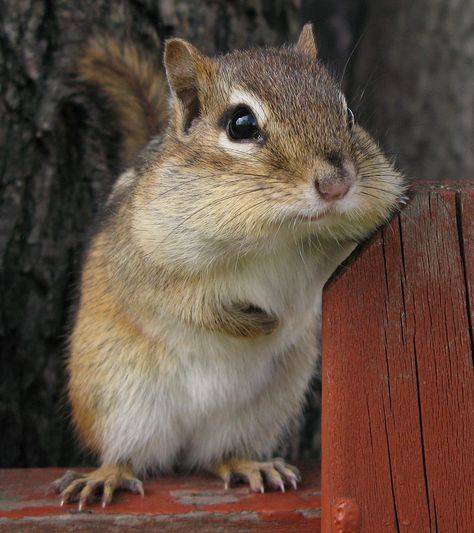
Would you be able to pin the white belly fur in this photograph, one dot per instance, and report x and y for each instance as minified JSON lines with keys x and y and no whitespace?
{"x":226,"y":395}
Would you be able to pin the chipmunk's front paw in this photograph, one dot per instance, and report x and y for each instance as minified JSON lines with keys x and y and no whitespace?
{"x":248,"y":320}
{"x":104,"y":481}
{"x":274,"y":473}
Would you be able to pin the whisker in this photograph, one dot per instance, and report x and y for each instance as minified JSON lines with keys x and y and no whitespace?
{"x":214,"y":185}
{"x":213,"y":203}
{"x":385,"y":191}
{"x":354,"y":48}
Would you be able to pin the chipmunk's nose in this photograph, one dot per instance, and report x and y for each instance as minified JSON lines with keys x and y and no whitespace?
{"x":335,"y":186}
{"x":331,"y":191}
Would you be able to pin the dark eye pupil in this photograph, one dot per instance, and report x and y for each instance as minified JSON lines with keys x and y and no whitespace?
{"x":243,"y":125}
{"x":350,"y":118}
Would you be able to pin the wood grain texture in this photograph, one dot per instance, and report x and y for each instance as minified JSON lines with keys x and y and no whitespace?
{"x":398,"y":380}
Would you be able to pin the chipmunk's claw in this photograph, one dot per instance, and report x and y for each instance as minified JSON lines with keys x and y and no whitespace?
{"x":64,"y":481}
{"x":226,"y":482}
{"x":275,"y":474}
{"x":83,"y":488}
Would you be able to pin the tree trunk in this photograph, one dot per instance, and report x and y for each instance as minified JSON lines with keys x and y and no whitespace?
{"x":415,"y":70}
{"x":58,"y":154}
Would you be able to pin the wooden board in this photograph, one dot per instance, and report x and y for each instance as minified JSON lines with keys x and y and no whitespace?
{"x":398,"y":380}
{"x":171,"y":503}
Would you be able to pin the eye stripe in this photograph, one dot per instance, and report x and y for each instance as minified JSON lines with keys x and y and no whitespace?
{"x":240,"y":96}
{"x":237,"y":149}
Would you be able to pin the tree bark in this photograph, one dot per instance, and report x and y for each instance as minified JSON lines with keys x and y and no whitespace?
{"x":58,"y":154}
{"x":415,"y":71}
{"x":337,"y":25}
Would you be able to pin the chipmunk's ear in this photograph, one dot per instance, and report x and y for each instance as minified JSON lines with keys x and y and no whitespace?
{"x":186,"y":69}
{"x":306,"y":43}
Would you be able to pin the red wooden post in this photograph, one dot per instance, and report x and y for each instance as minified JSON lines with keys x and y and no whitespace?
{"x":398,"y":380}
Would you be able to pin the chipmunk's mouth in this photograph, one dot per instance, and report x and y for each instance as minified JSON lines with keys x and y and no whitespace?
{"x":312,"y":218}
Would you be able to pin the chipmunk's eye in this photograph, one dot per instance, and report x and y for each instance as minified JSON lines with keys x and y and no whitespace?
{"x":350,"y":118}
{"x":243,"y":125}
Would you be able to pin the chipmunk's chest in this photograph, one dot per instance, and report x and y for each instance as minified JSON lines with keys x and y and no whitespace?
{"x":286,"y":283}
{"x":220,"y":390}
{"x":218,"y":369}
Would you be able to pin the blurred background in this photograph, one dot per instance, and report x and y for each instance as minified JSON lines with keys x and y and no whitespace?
{"x":406,"y":67}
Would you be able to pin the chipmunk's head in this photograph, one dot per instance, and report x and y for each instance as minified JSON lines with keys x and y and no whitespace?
{"x":262,"y":144}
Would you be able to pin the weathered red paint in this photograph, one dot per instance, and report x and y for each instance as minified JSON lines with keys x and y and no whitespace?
{"x":398,"y":380}
{"x":171,"y":503}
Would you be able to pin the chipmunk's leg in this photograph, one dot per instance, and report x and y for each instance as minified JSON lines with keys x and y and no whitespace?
{"x":105,"y":481}
{"x":275,"y":473}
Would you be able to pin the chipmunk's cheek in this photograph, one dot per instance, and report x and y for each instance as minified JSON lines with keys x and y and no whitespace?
{"x":349,"y":203}
{"x":236,"y":149}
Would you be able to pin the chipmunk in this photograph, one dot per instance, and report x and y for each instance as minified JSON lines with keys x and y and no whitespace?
{"x":197,"y":330}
